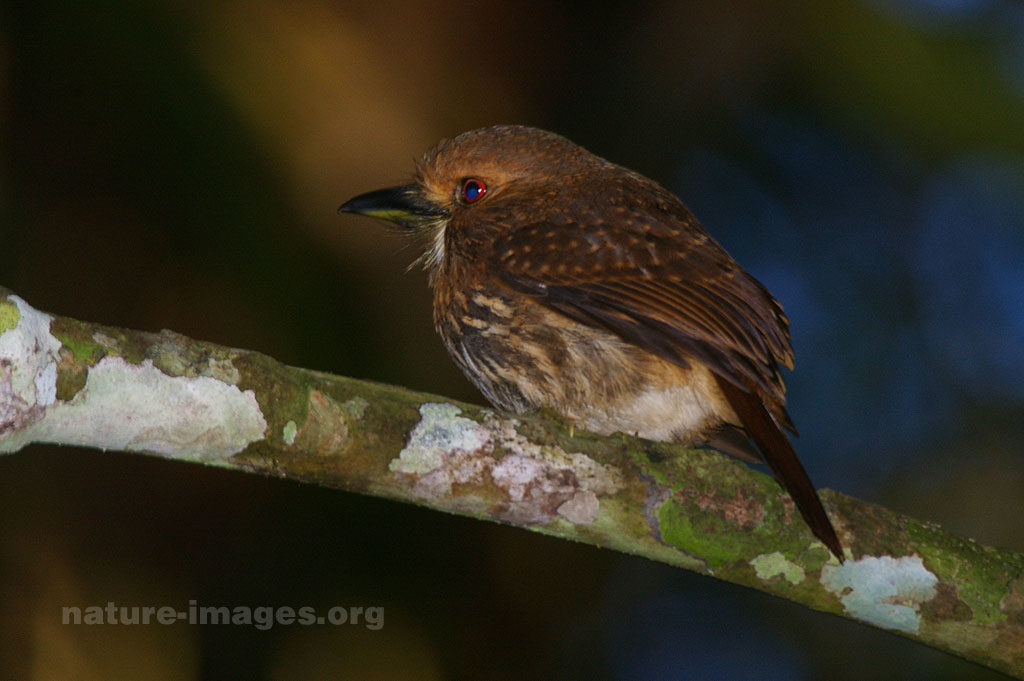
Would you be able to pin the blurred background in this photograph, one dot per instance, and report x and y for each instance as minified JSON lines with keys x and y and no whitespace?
{"x":178,"y":165}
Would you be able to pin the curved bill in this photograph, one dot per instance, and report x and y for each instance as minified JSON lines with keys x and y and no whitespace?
{"x":402,"y":205}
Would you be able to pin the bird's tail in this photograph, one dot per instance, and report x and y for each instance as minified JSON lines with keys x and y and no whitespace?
{"x":781,"y":458}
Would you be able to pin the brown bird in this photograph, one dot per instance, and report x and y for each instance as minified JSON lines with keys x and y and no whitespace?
{"x":564,"y":281}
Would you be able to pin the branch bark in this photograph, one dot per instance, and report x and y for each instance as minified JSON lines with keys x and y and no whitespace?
{"x":71,"y":382}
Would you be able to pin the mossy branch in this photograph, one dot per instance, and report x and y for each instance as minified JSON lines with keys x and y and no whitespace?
{"x":77,"y":383}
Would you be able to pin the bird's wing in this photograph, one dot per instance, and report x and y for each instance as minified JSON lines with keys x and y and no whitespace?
{"x":658,"y":281}
{"x":655,"y":278}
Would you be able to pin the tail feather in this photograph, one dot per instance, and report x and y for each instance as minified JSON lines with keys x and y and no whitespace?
{"x":781,"y":458}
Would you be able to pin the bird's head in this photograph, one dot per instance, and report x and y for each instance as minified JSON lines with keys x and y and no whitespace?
{"x":470,"y":188}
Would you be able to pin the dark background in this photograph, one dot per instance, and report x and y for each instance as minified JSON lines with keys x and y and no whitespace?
{"x":178,"y":165}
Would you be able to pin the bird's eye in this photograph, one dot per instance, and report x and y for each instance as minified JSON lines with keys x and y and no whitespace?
{"x":473,"y":190}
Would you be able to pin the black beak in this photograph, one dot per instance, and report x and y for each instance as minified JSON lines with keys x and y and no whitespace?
{"x":403,"y":205}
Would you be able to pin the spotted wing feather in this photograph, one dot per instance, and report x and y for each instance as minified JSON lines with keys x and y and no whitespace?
{"x":661,"y":283}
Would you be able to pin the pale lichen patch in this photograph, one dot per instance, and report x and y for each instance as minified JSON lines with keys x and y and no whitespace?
{"x":133,"y":407}
{"x":536,"y":490}
{"x":588,"y":473}
{"x":544,"y":480}
{"x":884,"y":591}
{"x":515,"y":472}
{"x":539,"y":482}
{"x":444,"y":448}
{"x":441,"y":434}
{"x":28,"y":367}
{"x":32,"y":353}
{"x":582,"y":509}
{"x":46,"y":384}
{"x":289,"y":431}
{"x":775,"y":564}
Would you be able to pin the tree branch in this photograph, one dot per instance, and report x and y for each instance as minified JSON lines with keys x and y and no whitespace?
{"x":71,"y":382}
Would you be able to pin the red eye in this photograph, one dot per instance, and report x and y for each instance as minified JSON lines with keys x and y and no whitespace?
{"x":473,"y":190}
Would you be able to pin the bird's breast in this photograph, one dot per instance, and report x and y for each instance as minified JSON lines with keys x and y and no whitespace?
{"x":523,"y":356}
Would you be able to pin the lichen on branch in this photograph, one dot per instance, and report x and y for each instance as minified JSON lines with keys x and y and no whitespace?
{"x":72,"y":382}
